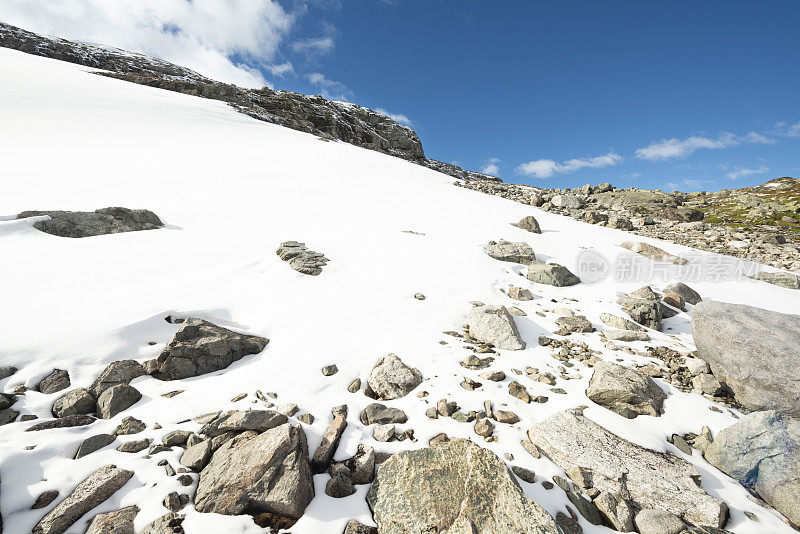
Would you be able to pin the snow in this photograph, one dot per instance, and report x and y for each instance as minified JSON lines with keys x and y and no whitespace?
{"x":230,"y":189}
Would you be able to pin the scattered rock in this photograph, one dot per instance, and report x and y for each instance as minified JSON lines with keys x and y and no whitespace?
{"x":494,"y":376}
{"x":301,"y":259}
{"x":98,"y":487}
{"x":340,"y":484}
{"x":362,"y":465}
{"x":649,"y":479}
{"x":646,"y":312}
{"x":529,"y":224}
{"x":129,"y":425}
{"x":117,"y":399}
{"x":452,"y":486}
{"x":706,"y":383}
{"x":653,"y":521}
{"x":520,"y":293}
{"x":517,"y":252}
{"x":354,"y":527}
{"x":176,"y":438}
{"x":755,"y":352}
{"x":762,"y":452}
{"x":494,"y":325}
{"x":515,"y":389}
{"x":620,"y":322}
{"x":383,"y":432}
{"x":551,"y":274}
{"x":197,"y":456}
{"x":526,"y":475}
{"x":67,"y":421}
{"x":134,"y":446}
{"x":75,"y":402}
{"x":6,"y":371}
{"x":354,"y":386}
{"x":94,"y":443}
{"x":615,"y":511}
{"x":116,"y":522}
{"x":484,"y":428}
{"x":567,"y":201}
{"x":330,"y":441}
{"x":625,"y":391}
{"x":330,"y":370}
{"x":654,"y":253}
{"x":93,"y":223}
{"x":8,"y":416}
{"x":239,"y":421}
{"x":574,"y":324}
{"x":390,"y":378}
{"x":116,"y":373}
{"x":256,"y":473}
{"x":200,"y":347}
{"x":166,"y":524}
{"x":55,"y":381}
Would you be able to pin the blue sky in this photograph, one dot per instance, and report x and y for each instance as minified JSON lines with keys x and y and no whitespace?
{"x":687,"y":95}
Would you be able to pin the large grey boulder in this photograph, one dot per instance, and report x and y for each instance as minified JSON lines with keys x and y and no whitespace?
{"x":567,"y":201}
{"x":755,"y":352}
{"x":116,"y":522}
{"x":98,"y":487}
{"x":762,"y":452}
{"x":390,"y":378}
{"x":115,"y":373}
{"x":647,"y":478}
{"x":75,"y":402}
{"x":517,"y":252}
{"x":625,"y":391}
{"x":552,"y":274}
{"x":196,"y":457}
{"x":258,"y":473}
{"x":200,"y":347}
{"x":55,"y":381}
{"x":494,"y":325}
{"x":782,"y":279}
{"x":645,"y":311}
{"x":685,"y":292}
{"x":530,"y":224}
{"x":654,"y":253}
{"x":94,"y":443}
{"x":452,"y":487}
{"x":117,"y":399}
{"x":92,"y":223}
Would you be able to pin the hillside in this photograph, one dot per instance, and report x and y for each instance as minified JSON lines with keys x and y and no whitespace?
{"x":409,"y":260}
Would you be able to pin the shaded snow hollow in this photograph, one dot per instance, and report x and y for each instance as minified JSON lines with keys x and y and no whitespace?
{"x":230,"y":189}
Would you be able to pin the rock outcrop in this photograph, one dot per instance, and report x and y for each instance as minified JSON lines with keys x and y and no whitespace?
{"x":200,"y":347}
{"x":496,"y":326}
{"x":607,"y":462}
{"x":94,"y":223}
{"x":452,"y":487}
{"x":625,"y":391}
{"x":756,"y":352}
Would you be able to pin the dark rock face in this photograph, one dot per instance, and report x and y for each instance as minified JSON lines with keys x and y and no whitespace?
{"x":93,"y":223}
{"x":200,"y":347}
{"x":453,"y":486}
{"x":755,"y":352}
{"x":55,"y":381}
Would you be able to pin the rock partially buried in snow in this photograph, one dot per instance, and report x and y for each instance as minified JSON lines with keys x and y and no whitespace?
{"x":762,"y":452}
{"x":625,"y":391}
{"x":117,"y":399}
{"x":787,"y":280}
{"x":200,"y":347}
{"x":115,"y":373}
{"x":258,"y":473}
{"x":301,"y":259}
{"x":646,"y":312}
{"x":620,"y":323}
{"x":93,"y":223}
{"x":494,"y":325}
{"x":650,"y":479}
{"x":98,"y":487}
{"x":55,"y":381}
{"x":75,"y":402}
{"x":390,"y":378}
{"x":517,"y":252}
{"x":239,"y":421}
{"x":530,"y":224}
{"x":688,"y":294}
{"x":552,"y":274}
{"x":654,"y":253}
{"x":116,"y":522}
{"x":625,"y":335}
{"x":755,"y":352}
{"x":452,"y":487}
{"x":520,"y":293}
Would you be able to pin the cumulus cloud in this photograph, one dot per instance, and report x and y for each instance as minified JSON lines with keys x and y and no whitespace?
{"x":741,"y":172}
{"x":397,"y":117}
{"x":200,"y":34}
{"x":681,"y":148}
{"x":490,"y":166}
{"x":545,"y":168}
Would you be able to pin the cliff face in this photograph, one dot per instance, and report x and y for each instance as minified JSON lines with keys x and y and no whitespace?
{"x":312,"y":114}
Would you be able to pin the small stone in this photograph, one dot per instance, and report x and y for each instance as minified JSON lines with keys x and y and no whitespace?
{"x":526,"y":475}
{"x":419,"y":296}
{"x":383,"y":432}
{"x":172,"y":502}
{"x":494,"y":376}
{"x":130,"y":425}
{"x":288,"y":409}
{"x":306,"y":418}
{"x":330,"y":370}
{"x":377,"y":413}
{"x":197,"y":456}
{"x":520,"y":293}
{"x":515,"y":389}
{"x":354,"y":386}
{"x":176,"y":438}
{"x":75,"y":402}
{"x":529,"y":224}
{"x":505,"y":416}
{"x":484,"y":428}
{"x":117,"y":399}
{"x":340,"y":485}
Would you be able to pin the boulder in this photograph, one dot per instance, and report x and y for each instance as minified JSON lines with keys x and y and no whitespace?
{"x":646,"y":312}
{"x":196,"y":457}
{"x":517,"y":252}
{"x":200,"y":347}
{"x":98,"y":487}
{"x":452,"y":487}
{"x":239,"y":421}
{"x":67,"y":421}
{"x":390,"y":378}
{"x":6,"y":401}
{"x":75,"y":402}
{"x":166,"y":524}
{"x":755,"y":352}
{"x":620,"y":223}
{"x":116,"y":522}
{"x":301,"y":259}
{"x":551,"y":274}
{"x":647,"y":478}
{"x":625,"y":335}
{"x":762,"y":452}
{"x":6,"y":371}
{"x":8,"y":416}
{"x":494,"y":325}
{"x":330,"y":441}
{"x":625,"y":391}
{"x":787,"y":280}
{"x":650,"y":521}
{"x":654,"y":253}
{"x":529,"y":224}
{"x":616,"y":511}
{"x":93,"y":223}
{"x":376,"y":413}
{"x":574,"y":324}
{"x":567,"y":201}
{"x":117,"y":399}
{"x":258,"y":473}
{"x":55,"y":381}
{"x":115,"y":373}
{"x":520,"y":293}
{"x":620,"y":322}
{"x":94,"y":443}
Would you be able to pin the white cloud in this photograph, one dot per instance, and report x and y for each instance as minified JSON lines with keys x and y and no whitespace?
{"x":281,"y":69}
{"x":330,"y":89}
{"x":794,"y":130}
{"x":490,"y":166}
{"x":397,"y":117}
{"x":314,"y":47}
{"x":199,"y":34}
{"x":741,"y":172}
{"x":689,"y":185}
{"x":681,"y":148}
{"x":545,"y":168}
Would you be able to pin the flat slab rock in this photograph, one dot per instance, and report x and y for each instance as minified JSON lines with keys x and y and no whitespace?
{"x":93,"y":223}
{"x":625,"y":391}
{"x":609,"y":463}
{"x":654,"y":253}
{"x":494,"y":325}
{"x":513,"y":251}
{"x":452,"y":487}
{"x":756,"y":352}
{"x":301,"y":259}
{"x":201,"y":347}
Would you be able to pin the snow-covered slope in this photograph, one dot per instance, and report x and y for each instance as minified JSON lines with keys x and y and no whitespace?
{"x":231,"y":189}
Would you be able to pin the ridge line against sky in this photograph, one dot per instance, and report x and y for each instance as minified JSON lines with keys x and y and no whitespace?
{"x":684,"y":96}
